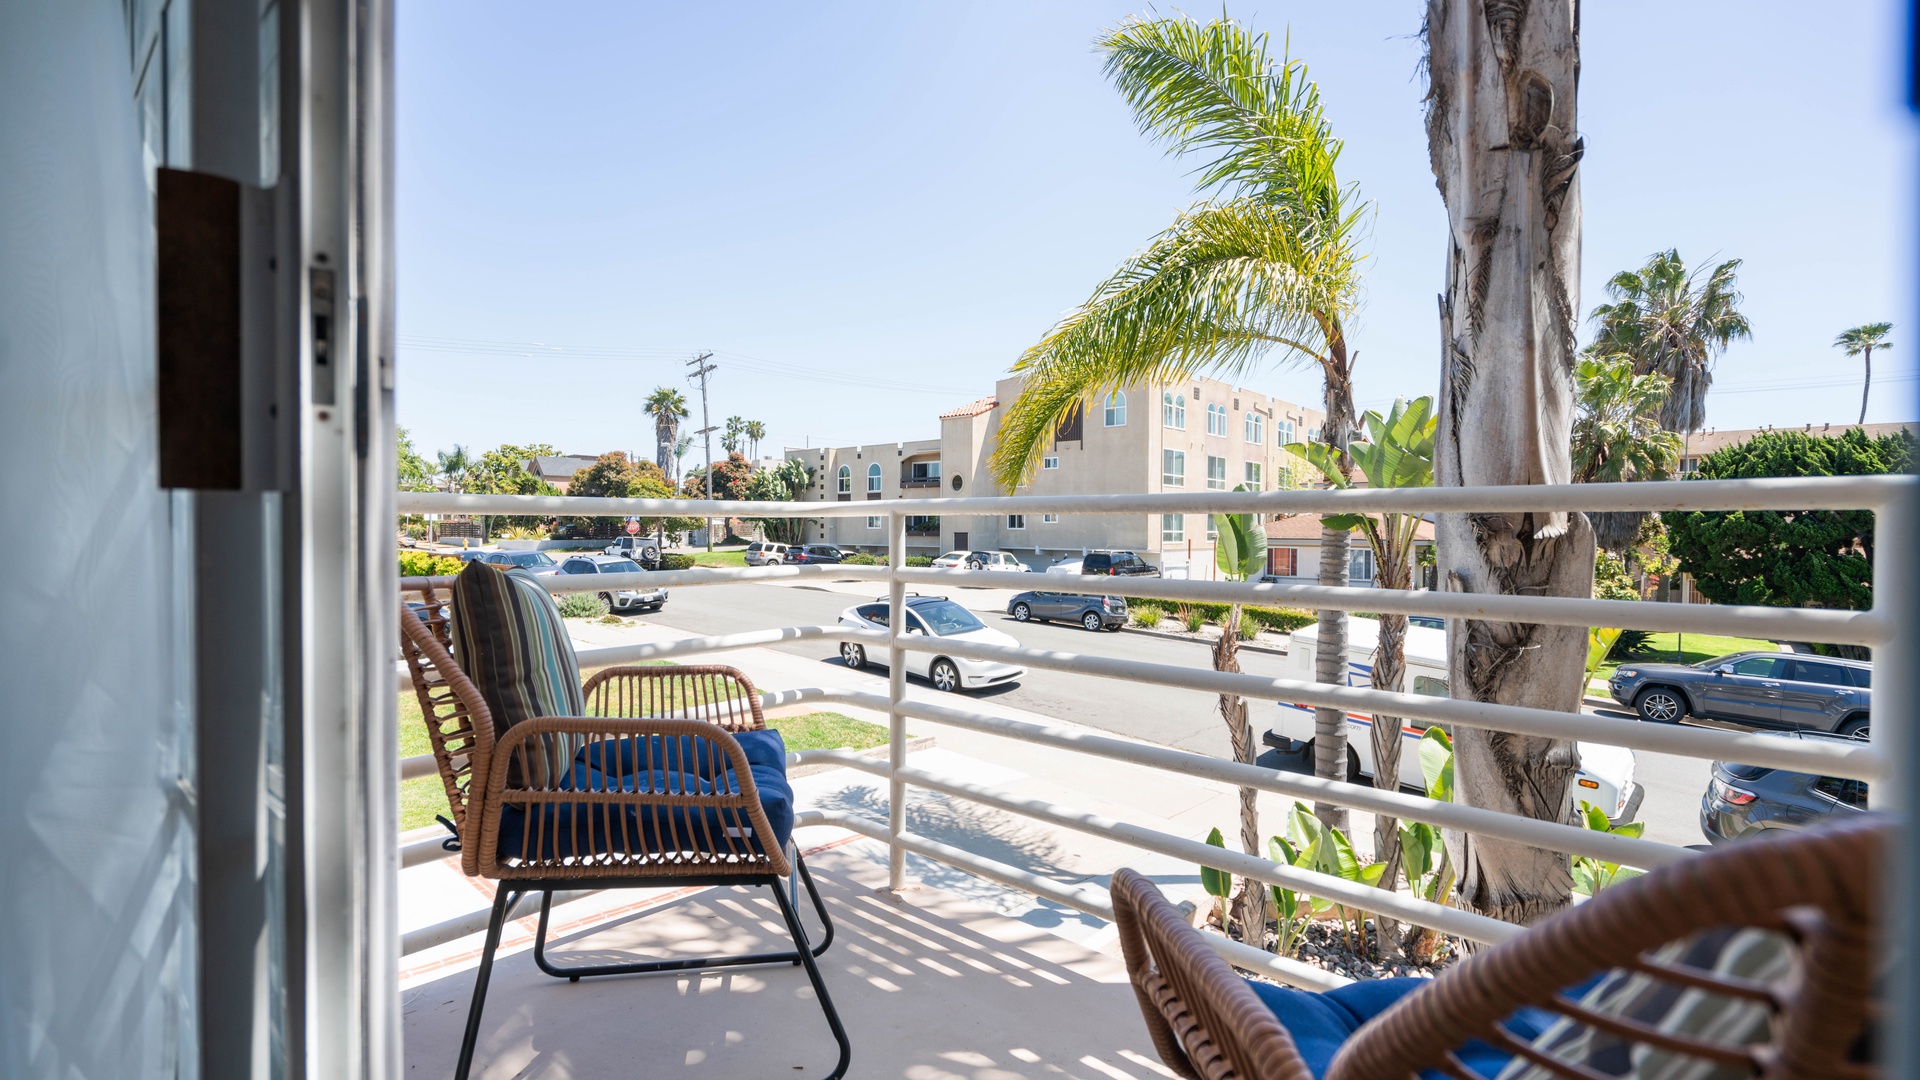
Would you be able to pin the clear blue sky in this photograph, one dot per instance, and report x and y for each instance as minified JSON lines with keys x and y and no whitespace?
{"x":868,"y":210}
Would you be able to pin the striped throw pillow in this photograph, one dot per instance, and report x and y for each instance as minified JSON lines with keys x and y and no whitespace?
{"x":510,"y":640}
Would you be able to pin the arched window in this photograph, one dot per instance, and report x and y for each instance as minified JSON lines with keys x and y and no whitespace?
{"x":1256,"y":428}
{"x":1173,"y":410}
{"x":846,"y":479}
{"x":1216,"y":419}
{"x":1116,"y":409}
{"x":873,"y":477}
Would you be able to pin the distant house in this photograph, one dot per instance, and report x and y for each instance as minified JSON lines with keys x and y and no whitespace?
{"x":1293,"y":552}
{"x":558,"y":470}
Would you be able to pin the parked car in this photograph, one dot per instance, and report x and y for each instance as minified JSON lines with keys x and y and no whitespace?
{"x":617,"y":599}
{"x":1114,"y":563}
{"x":815,"y":554}
{"x":1794,"y":691}
{"x":761,"y":553}
{"x":936,"y":617}
{"x":1751,"y":800}
{"x":1605,"y":778}
{"x":572,"y":530}
{"x":537,"y":563}
{"x":952,"y":560}
{"x":1092,"y":612}
{"x":644,"y":550}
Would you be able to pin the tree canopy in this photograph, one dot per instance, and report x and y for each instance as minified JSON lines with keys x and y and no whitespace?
{"x":1673,"y":323}
{"x":415,"y":472}
{"x":1818,"y":558}
{"x":729,"y":479}
{"x":786,"y":482}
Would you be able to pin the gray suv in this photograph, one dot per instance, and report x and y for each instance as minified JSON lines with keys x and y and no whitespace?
{"x":1744,"y":800}
{"x":1792,"y":691}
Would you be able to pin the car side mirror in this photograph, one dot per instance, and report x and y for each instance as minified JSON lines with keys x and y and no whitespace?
{"x":1723,"y":669}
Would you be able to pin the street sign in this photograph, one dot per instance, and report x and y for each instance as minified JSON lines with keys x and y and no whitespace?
{"x":633,"y":526}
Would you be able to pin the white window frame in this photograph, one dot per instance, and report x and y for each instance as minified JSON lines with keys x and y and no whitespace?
{"x":874,"y":480}
{"x":1173,"y":528}
{"x":1173,"y":410}
{"x":1256,"y":429}
{"x":874,"y":521}
{"x":1216,"y":483}
{"x":1116,"y":410}
{"x":1282,"y":432}
{"x":1173,"y":468}
{"x":1360,"y":565}
{"x":1049,"y":519}
{"x":1217,"y":420}
{"x":1016,"y":521}
{"x":1050,"y":462}
{"x":845,"y":483}
{"x":1254,"y":473}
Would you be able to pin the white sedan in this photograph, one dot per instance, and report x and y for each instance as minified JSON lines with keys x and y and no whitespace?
{"x":935,"y":617}
{"x":1004,"y":562}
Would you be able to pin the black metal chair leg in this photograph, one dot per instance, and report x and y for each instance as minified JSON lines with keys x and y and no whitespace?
{"x":502,"y":900}
{"x":813,"y":975}
{"x":819,"y":905}
{"x":656,"y":967}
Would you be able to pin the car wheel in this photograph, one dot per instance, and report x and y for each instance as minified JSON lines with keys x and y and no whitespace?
{"x":945,"y":676}
{"x":1856,"y":728}
{"x":1021,"y":613}
{"x":854,"y":656}
{"x":1091,"y":620}
{"x":1660,"y":705}
{"x":607,"y":599}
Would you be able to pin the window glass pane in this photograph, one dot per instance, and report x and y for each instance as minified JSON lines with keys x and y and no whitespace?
{"x":1173,"y":468}
{"x":1765,"y":667}
{"x":1862,"y":677}
{"x":1116,"y":412}
{"x":947,"y":617}
{"x":1173,"y":526}
{"x":1815,"y":672}
{"x":1050,"y":463}
{"x":1431,"y":686}
{"x":1016,"y":521}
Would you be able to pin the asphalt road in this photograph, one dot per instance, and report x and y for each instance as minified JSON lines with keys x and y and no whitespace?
{"x":1185,"y":719}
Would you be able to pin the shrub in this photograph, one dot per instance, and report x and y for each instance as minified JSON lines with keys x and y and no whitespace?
{"x":861,"y":558}
{"x":676,"y":562}
{"x":1147,"y":614}
{"x":1280,"y":620}
{"x":1629,"y":643}
{"x":1249,"y":627}
{"x":427,"y":564}
{"x":1193,"y":617}
{"x":582,"y":606}
{"x":919,"y":560}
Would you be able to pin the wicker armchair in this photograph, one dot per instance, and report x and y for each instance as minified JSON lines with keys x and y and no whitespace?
{"x":655,"y":791}
{"x":1821,"y":889}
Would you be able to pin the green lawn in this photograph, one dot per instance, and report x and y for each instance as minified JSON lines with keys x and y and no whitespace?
{"x":1667,"y":649}
{"x":735,"y":557}
{"x":422,"y":798}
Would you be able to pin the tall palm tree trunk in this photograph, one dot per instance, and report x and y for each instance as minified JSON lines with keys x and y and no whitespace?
{"x":665,"y":432}
{"x":1502,"y":136}
{"x":1330,"y":651}
{"x":1251,"y":906}
{"x":1389,"y":673}
{"x":1867,"y":386}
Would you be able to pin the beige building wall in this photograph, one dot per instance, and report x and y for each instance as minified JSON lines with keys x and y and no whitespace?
{"x":1124,"y":456}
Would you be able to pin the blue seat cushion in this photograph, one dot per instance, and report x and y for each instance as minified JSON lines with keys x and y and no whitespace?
{"x":1321,"y":1022}
{"x":577,"y":830}
{"x":626,"y":756}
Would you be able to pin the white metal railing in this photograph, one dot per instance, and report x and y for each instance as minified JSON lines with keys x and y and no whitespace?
{"x":1884,"y":625}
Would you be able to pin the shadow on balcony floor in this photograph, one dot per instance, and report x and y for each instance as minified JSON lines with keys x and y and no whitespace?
{"x":931,"y":986}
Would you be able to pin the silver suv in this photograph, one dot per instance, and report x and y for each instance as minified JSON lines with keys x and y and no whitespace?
{"x":617,"y":599}
{"x":1794,"y":691}
{"x":763,"y":553}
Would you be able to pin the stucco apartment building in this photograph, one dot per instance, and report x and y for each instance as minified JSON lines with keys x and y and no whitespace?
{"x":1197,"y":435}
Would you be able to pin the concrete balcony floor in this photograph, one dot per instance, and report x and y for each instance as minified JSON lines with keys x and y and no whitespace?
{"x":929,"y":984}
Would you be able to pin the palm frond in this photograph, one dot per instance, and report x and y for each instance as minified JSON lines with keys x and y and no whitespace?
{"x":1223,"y":287}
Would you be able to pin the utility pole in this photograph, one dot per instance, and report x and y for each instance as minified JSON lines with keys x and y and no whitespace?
{"x":701,"y":369}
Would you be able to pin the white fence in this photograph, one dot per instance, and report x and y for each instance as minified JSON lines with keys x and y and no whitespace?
{"x":1888,"y":625}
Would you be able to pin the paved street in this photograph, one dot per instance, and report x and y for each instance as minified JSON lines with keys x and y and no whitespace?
{"x":1172,"y":717}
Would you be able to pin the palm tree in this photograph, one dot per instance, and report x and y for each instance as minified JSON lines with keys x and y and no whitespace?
{"x":1861,"y":341}
{"x":1241,"y":553}
{"x":1267,"y":268}
{"x":453,"y":466}
{"x":1675,"y":324}
{"x":735,"y":432}
{"x":682,"y":446}
{"x":1615,"y":435}
{"x":755,"y":431}
{"x":1397,"y":453}
{"x":668,"y":407}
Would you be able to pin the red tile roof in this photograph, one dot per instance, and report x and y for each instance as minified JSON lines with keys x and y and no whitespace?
{"x":972,"y":408}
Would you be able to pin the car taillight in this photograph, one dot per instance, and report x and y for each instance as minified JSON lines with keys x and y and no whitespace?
{"x":1731,"y":795}
{"x":1111,"y":571}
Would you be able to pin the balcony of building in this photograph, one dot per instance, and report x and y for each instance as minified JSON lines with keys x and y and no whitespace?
{"x":965,"y":862}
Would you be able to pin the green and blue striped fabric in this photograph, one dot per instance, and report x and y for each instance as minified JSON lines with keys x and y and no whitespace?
{"x":510,"y":640}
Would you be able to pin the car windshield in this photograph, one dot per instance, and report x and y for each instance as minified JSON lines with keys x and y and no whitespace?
{"x":1709,"y":665}
{"x":620,"y":566}
{"x":530,"y":558}
{"x":946,"y":617}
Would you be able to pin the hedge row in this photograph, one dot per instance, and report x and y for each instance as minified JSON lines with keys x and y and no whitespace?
{"x":427,"y":564}
{"x":1279,"y":620}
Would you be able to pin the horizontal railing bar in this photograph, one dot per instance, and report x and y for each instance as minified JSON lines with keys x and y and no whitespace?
{"x":1091,"y":899}
{"x":1778,"y":624}
{"x":1836,"y":758}
{"x":1784,"y":624}
{"x":1779,"y":493}
{"x":421,"y":852}
{"x":1551,"y":836}
{"x":474,"y":922}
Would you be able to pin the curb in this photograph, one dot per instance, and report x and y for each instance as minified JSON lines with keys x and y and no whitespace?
{"x":918,"y":742}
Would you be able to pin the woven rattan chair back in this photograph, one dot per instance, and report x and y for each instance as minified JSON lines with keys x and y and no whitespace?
{"x":1820,"y":888}
{"x":459,"y":724}
{"x":1204,"y":1021}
